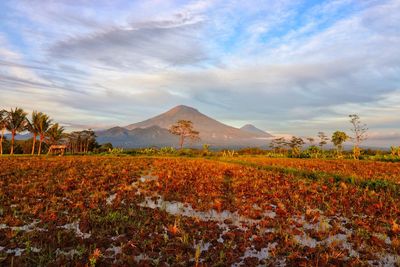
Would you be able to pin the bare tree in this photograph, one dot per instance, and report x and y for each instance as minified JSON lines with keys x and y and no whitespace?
{"x":360,"y":134}
{"x":296,"y":143}
{"x":184,"y":129}
{"x":278,"y":144}
{"x":323,"y":139}
{"x":311,"y":140}
{"x":81,"y":141}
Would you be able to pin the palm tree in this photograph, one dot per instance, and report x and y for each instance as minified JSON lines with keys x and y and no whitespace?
{"x":43,"y":126}
{"x":55,"y":134}
{"x":33,"y":127}
{"x":3,"y":115}
{"x":15,"y":123}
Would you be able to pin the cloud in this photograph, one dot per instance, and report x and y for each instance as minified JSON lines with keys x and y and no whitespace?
{"x":148,"y":45}
{"x":293,"y":67}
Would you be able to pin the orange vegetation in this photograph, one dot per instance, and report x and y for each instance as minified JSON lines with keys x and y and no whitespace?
{"x":174,"y":211}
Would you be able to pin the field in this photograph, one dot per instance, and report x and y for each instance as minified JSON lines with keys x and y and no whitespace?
{"x":244,"y":211}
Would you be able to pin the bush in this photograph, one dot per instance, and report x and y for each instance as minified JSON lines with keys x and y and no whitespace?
{"x":149,"y":151}
{"x":116,"y":151}
{"x":252,"y":151}
{"x":167,"y":151}
{"x":104,"y":148}
{"x":306,"y":154}
{"x":186,"y":152}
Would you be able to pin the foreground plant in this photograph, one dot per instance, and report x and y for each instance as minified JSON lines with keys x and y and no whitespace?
{"x":94,"y":257}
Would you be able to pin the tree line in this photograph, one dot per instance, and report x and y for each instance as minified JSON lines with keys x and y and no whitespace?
{"x":184,"y":129}
{"x":43,"y":131}
{"x":316,"y":147}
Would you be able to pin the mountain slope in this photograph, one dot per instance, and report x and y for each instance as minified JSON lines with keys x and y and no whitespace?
{"x":252,"y":129}
{"x":207,"y":126}
{"x":139,"y":137}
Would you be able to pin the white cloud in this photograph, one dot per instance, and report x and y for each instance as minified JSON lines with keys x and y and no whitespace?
{"x":284,"y":66}
{"x":148,"y":45}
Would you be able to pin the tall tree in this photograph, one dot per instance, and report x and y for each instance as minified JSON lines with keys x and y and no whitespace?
{"x":278,"y":144}
{"x":43,"y":126}
{"x":3,"y":116}
{"x":184,"y":129}
{"x":88,"y":139}
{"x":323,"y":140}
{"x":338,"y":138}
{"x":311,"y":140}
{"x":55,"y":134}
{"x":296,"y":143}
{"x":360,"y":134}
{"x":82,"y":141}
{"x":313,"y":149}
{"x":33,"y":128}
{"x":15,"y":122}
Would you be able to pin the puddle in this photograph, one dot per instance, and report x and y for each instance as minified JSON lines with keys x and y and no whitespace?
{"x":114,"y":250}
{"x":18,"y":251}
{"x":384,"y":238}
{"x":251,"y":252}
{"x":141,"y":257}
{"x":225,"y":229}
{"x":323,"y":225}
{"x":203,"y":246}
{"x":235,"y":220}
{"x":182,"y":209}
{"x":74,"y":226}
{"x":387,"y":260}
{"x":111,"y":198}
{"x":32,"y":227}
{"x":115,"y":238}
{"x":144,"y":257}
{"x":25,"y":228}
{"x":177,"y":208}
{"x":148,"y":178}
{"x":70,"y":253}
{"x":143,"y":179}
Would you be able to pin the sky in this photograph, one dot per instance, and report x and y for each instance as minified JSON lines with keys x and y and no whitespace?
{"x":290,"y":67}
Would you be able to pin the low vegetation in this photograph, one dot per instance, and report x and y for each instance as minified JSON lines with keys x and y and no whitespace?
{"x":88,"y":210}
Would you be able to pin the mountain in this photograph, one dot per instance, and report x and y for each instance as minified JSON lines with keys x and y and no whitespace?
{"x":208,"y":127}
{"x":253,"y":129}
{"x":154,"y":131}
{"x":23,"y":136}
{"x":139,"y":137}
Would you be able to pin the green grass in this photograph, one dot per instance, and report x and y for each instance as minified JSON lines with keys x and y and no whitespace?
{"x":373,"y":184}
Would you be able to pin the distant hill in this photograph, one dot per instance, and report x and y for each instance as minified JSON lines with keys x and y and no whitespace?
{"x":252,"y":129}
{"x":154,"y":131}
{"x":23,"y":136}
